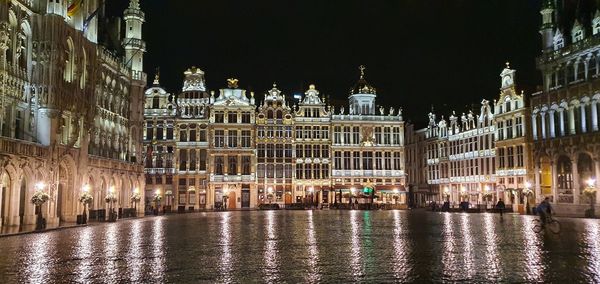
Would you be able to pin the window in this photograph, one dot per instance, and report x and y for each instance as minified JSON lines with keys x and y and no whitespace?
{"x":288,"y":171}
{"x":307,"y":171}
{"x":316,"y":171}
{"x":337,"y":160}
{"x":261,"y":151}
{"x":325,"y":132}
{"x":270,"y":151}
{"x":192,"y":160}
{"x":307,"y":151}
{"x":368,"y":161}
{"x":279,"y":171}
{"x":519,"y":126}
{"x":279,"y":150}
{"x":149,"y":131}
{"x":202,"y":135}
{"x":260,"y":132}
{"x":246,"y":139}
{"x":378,"y":161}
{"x":509,"y":129}
{"x":396,"y":135}
{"x":356,"y":161}
{"x":299,"y":171}
{"x":501,"y":158}
{"x":299,"y":132}
{"x":288,"y":150}
{"x":270,"y":170}
{"x":565,"y":174}
{"x":232,"y":117}
{"x":355,"y":135}
{"x":182,"y":160}
{"x":245,"y":117}
{"x":299,"y":151}
{"x":347,"y":134}
{"x":520,"y":160}
{"x":324,"y":171}
{"x":325,"y":149}
{"x":388,"y":161}
{"x":219,"y":138}
{"x":232,"y":139}
{"x":169,"y":132}
{"x":378,"y":139}
{"x":193,"y":135}
{"x":246,"y":165}
{"x":232,"y":166}
{"x":347,"y":164}
{"x":260,"y":170}
{"x":386,"y":136}
{"x":510,"y":157}
{"x":156,"y":101}
{"x":159,"y":130}
{"x":316,"y":133}
{"x":500,"y":130}
{"x":219,"y":165}
{"x":307,"y":133}
{"x":397,"y":161}
{"x":337,"y":135}
{"x":219,"y":117}
{"x":316,"y":151}
{"x":202,"y":160}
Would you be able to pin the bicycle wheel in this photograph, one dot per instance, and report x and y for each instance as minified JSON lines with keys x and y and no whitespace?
{"x":554,"y":226}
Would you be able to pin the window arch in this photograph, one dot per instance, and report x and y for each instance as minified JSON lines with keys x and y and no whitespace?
{"x":69,"y":73}
{"x":565,"y":175}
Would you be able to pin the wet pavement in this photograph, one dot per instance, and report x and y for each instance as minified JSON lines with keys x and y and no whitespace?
{"x":307,"y":246}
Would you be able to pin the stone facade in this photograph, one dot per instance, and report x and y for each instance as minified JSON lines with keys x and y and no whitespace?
{"x":70,"y":111}
{"x":273,"y":152}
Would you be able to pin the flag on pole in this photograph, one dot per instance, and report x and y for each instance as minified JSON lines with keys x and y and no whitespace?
{"x":74,"y":7}
{"x":87,"y":21}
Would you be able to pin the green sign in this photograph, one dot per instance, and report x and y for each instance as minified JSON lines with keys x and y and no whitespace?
{"x":367,"y":190}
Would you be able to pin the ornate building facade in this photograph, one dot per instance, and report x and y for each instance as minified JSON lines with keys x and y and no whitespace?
{"x":273,"y":153}
{"x":71,"y":109}
{"x":564,"y":115}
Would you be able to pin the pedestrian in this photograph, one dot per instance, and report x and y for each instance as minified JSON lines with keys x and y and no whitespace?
{"x":500,"y":206}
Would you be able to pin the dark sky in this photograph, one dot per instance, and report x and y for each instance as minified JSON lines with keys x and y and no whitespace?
{"x":448,"y":53}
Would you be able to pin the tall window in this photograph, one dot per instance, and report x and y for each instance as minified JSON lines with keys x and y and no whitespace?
{"x":520,"y":159}
{"x":387,"y":161}
{"x":307,"y":151}
{"x":245,"y":117}
{"x":509,"y":129}
{"x":219,"y":165}
{"x":397,"y":165}
{"x":219,"y":117}
{"x":232,"y":117}
{"x":565,"y":174}
{"x":246,"y":141}
{"x":270,"y":150}
{"x":337,"y":160}
{"x":232,"y":139}
{"x":202,"y":160}
{"x":367,"y":161}
{"x":347,"y":164}
{"x":288,"y":151}
{"x":519,"y":126}
{"x":337,"y":135}
{"x":355,"y":135}
{"x":500,"y":130}
{"x":325,"y":150}
{"x":182,"y":160}
{"x":149,"y":131}
{"x":316,"y":151}
{"x":510,"y":157}
{"x":386,"y":136}
{"x":299,"y":151}
{"x":299,"y":132}
{"x":396,"y":135}
{"x":325,"y":132}
{"x":347,"y":134}
{"x":279,"y":150}
{"x":378,"y":134}
{"x":219,"y":138}
{"x":501,"y":158}
{"x":261,"y":151}
{"x":192,"y":160}
{"x":299,"y":171}
{"x":324,"y":171}
{"x":245,"y":165}
{"x":356,"y":161}
{"x":279,"y":171}
{"x":232,"y":166}
{"x":378,"y":161}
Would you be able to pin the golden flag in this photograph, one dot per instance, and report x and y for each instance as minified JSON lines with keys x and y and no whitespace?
{"x":74,"y":7}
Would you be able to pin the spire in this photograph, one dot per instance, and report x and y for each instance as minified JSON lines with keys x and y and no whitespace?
{"x":548,"y":24}
{"x":157,"y":77}
{"x":362,"y":71}
{"x":362,"y":86}
{"x":134,"y":4}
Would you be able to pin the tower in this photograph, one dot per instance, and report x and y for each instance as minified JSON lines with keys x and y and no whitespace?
{"x":362,"y":96}
{"x":133,"y":44}
{"x":547,"y":28}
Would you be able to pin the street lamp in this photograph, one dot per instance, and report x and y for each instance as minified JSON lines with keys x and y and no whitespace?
{"x":135,"y":198}
{"x":526,"y":192}
{"x":85,"y":198}
{"x":38,"y":199}
{"x":590,"y":192}
{"x":110,"y":199}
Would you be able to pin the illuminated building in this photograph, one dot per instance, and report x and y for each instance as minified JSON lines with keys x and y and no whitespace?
{"x":71,"y":110}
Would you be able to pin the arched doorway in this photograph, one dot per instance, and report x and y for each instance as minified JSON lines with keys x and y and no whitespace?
{"x":22,"y":202}
{"x":545,"y":177}
{"x":4,"y":194}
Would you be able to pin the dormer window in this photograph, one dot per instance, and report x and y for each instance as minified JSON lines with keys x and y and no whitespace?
{"x":559,"y":41}
{"x":577,"y":32}
{"x":596,"y":26}
{"x":577,"y":36}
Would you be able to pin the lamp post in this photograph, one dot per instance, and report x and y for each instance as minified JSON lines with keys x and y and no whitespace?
{"x":85,"y":198}
{"x":225,"y":197}
{"x":39,"y":197}
{"x":135,"y":198}
{"x":157,"y":198}
{"x":590,"y":192}
{"x":110,"y":199}
{"x":526,"y":192}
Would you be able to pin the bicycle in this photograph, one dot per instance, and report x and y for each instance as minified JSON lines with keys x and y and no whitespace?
{"x":552,"y":224}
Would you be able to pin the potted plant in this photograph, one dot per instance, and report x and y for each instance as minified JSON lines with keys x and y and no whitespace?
{"x":38,"y":199}
{"x":85,"y":198}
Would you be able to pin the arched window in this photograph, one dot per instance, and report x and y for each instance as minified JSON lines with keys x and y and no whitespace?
{"x":69,"y":73}
{"x":565,"y":175}
{"x":279,"y":114}
{"x":270,"y":114}
{"x":156,"y":102}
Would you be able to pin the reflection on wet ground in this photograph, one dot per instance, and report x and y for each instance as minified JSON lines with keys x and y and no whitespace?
{"x":308,"y":246}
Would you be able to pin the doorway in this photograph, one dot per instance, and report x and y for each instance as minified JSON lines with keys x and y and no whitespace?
{"x":245,"y":198}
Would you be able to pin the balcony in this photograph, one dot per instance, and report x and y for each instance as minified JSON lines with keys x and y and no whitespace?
{"x":22,"y":148}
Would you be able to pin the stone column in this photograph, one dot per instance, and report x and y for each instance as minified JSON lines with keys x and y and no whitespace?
{"x":576,"y":189}
{"x":534,"y":126}
{"x":561,"y":115}
{"x":583,"y":120}
{"x":571,"y":120}
{"x":543,"y":124}
{"x":551,"y":123}
{"x":594,"y":109}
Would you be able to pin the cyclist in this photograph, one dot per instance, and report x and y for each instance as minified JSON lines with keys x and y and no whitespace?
{"x":545,"y":210}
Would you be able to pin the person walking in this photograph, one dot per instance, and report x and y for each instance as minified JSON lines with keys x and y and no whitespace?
{"x":500,"y":206}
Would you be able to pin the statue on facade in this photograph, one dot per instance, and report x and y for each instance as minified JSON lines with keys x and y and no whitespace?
{"x":381,"y":110}
{"x":392,"y":110}
{"x":342,"y":110}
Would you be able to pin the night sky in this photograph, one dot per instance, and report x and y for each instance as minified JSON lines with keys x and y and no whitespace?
{"x":418,"y":53}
